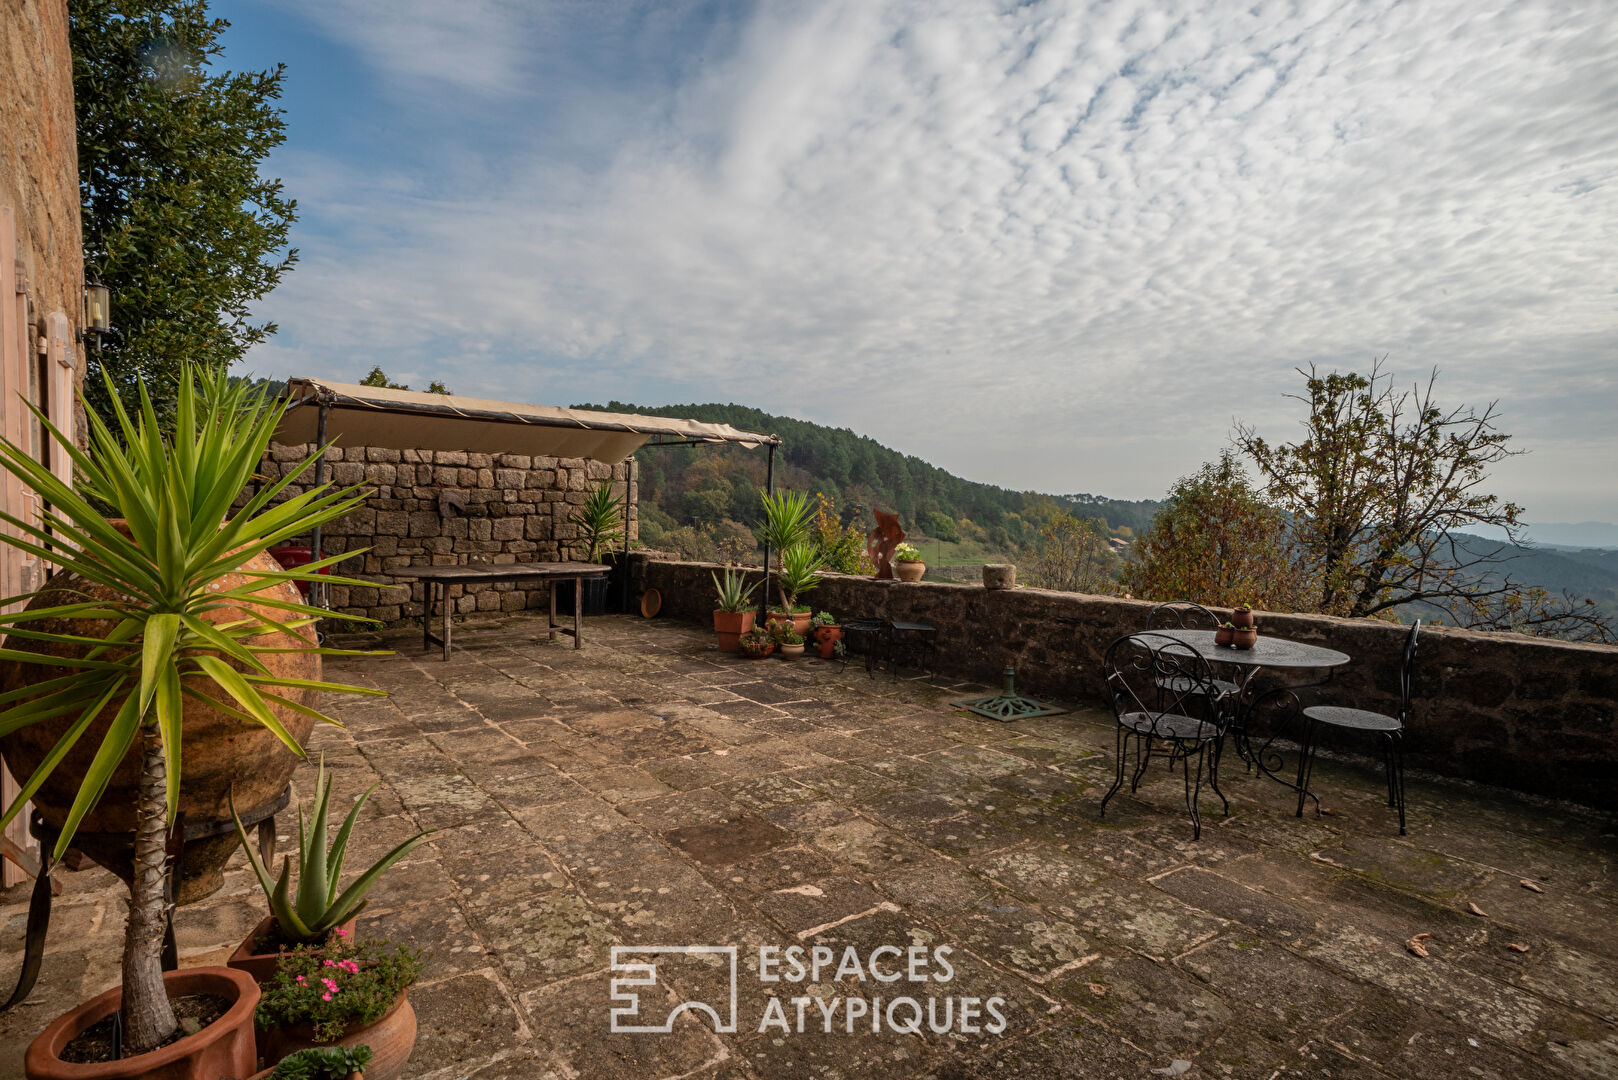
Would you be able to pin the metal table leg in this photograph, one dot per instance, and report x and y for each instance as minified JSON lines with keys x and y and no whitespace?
{"x":578,"y":613}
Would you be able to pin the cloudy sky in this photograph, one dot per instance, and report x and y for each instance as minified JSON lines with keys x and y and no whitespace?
{"x":1053,"y":245}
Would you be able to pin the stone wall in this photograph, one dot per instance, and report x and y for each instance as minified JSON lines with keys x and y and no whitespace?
{"x":39,"y":162}
{"x":1527,"y":713}
{"x":516,"y":509}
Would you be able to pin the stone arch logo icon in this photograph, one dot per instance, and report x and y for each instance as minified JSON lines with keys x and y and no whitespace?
{"x":638,"y":962}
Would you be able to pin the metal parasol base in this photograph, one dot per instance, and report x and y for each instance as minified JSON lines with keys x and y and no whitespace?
{"x":1007,"y":706}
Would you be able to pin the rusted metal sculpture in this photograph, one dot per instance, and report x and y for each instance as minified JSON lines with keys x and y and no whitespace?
{"x":882,"y":542}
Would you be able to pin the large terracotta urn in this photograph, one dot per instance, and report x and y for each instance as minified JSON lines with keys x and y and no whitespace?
{"x":219,"y":753}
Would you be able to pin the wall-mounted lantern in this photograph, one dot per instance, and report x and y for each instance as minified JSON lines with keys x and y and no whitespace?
{"x":97,"y":312}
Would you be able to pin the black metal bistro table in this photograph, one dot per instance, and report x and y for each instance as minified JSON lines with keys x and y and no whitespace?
{"x":438,"y":579}
{"x":1280,"y":703}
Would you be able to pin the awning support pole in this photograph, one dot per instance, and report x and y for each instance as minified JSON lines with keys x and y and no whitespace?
{"x":318,"y":590}
{"x":623,"y":571}
{"x":769,"y":489}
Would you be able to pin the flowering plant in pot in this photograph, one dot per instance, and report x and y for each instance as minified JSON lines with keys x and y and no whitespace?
{"x":317,"y":913}
{"x":799,"y":573}
{"x":733,"y":616}
{"x":757,"y":643}
{"x":827,"y":633}
{"x":164,"y":621}
{"x":789,"y":642}
{"x":907,"y":564}
{"x":343,"y":995}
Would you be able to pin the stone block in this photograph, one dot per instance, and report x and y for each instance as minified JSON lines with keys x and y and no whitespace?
{"x":425,"y":523}
{"x":393,"y":523}
{"x":479,"y":528}
{"x":542,"y":478}
{"x":450,"y":457}
{"x":521,"y":462}
{"x":480,"y":461}
{"x":537,"y":528}
{"x":510,"y":478}
{"x":344,"y":473}
{"x":380,"y":474}
{"x":508,"y":528}
{"x":446,"y":476}
{"x":488,"y":600}
{"x":382,"y":454}
{"x":385,"y":613}
{"x":597,"y":470}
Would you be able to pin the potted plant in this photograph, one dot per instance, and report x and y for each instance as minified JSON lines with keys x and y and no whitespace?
{"x":600,"y":523}
{"x":757,"y":643}
{"x":799,"y":572}
{"x":734,"y":614}
{"x":320,"y":1063}
{"x":789,"y":642}
{"x":343,"y":995}
{"x":165,"y":621}
{"x":787,"y":517}
{"x":907,"y":564}
{"x":1223,"y":635}
{"x":1242,"y":616}
{"x":317,"y":914}
{"x":1244,"y":637}
{"x":827,"y":633}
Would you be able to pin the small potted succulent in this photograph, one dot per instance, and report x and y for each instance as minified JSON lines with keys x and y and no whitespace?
{"x":1224,"y":634}
{"x":827,"y":633}
{"x":1242,"y":616}
{"x":317,"y":914}
{"x":789,"y":642}
{"x":320,"y":1063}
{"x":757,"y":643}
{"x":907,"y":564}
{"x":734,"y":614}
{"x":343,"y":995}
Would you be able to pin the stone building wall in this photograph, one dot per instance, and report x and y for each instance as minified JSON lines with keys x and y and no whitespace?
{"x":516,"y":509}
{"x":1527,"y":713}
{"x":39,"y":161}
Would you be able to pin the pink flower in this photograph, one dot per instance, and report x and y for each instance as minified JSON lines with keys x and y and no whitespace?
{"x":325,"y":997}
{"x":300,"y":978}
{"x":341,"y":932}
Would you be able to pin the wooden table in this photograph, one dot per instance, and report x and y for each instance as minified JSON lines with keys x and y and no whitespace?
{"x":438,"y":579}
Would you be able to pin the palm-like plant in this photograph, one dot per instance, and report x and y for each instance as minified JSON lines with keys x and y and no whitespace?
{"x":177,"y":560}
{"x":733,"y":594}
{"x":318,"y":907}
{"x":800,"y":572}
{"x":787,"y":515}
{"x":600,"y":522}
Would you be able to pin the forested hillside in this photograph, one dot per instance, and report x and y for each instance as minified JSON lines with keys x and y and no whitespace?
{"x":717,"y":488}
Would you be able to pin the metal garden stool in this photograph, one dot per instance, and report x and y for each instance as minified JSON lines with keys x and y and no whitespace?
{"x":869,"y":633}
{"x":919,"y":640}
{"x":1391,"y":728}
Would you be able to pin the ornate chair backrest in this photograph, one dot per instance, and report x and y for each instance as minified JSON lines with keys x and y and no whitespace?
{"x":1182,"y":615}
{"x":1407,"y":671}
{"x":1158,"y":676}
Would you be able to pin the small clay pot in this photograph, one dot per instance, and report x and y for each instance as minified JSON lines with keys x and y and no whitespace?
{"x":1245,"y":637}
{"x":263,"y":966}
{"x":909,"y":571}
{"x":1223,"y":635}
{"x":827,"y":637}
{"x":391,"y":1039}
{"x":223,"y":1048}
{"x":1242,"y":618}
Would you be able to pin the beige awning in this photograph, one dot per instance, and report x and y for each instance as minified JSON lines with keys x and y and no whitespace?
{"x":408,"y":420}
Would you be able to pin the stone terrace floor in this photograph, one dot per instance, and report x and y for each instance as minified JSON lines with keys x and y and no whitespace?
{"x":649,"y":790}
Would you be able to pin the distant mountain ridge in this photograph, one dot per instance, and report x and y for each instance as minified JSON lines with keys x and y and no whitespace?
{"x":1583,"y":534}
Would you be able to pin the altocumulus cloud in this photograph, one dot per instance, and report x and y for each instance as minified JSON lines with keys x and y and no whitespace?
{"x":1054,"y":245}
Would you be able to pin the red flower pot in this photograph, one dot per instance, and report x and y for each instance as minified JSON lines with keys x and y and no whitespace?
{"x":263,"y":966}
{"x":827,"y":637}
{"x":730,"y":626}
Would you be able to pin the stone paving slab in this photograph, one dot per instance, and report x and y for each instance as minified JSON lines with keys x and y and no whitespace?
{"x":650,"y":791}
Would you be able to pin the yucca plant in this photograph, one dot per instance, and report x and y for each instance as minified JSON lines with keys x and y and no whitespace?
{"x":318,"y":908}
{"x":733,"y":594}
{"x":787,"y":515}
{"x":600,"y":521}
{"x":158,"y":577}
{"x":800,"y":572}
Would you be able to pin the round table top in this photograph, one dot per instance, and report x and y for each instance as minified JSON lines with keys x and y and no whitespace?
{"x":1269,"y":652}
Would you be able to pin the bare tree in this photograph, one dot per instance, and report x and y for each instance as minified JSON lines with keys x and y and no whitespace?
{"x":1386,"y":495}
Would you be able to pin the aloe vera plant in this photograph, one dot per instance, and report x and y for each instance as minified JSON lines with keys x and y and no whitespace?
{"x":318,"y":907}
{"x":733,"y":594}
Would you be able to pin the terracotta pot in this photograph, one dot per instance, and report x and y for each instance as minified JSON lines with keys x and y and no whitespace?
{"x":224,"y":1048}
{"x":788,"y":652}
{"x":1223,"y":635}
{"x":800,"y":621}
{"x":730,"y":626}
{"x":1245,"y":637}
{"x":219,"y":752}
{"x":757,"y":652}
{"x":1242,"y":617}
{"x":391,"y":1039}
{"x":263,"y":966}
{"x":265,"y":1074}
{"x":909,"y":571}
{"x":827,"y":638}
